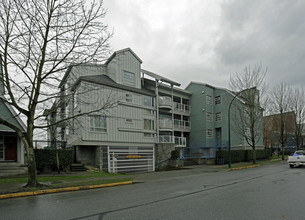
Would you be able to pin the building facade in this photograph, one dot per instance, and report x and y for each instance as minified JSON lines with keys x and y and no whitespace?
{"x":209,"y":119}
{"x":128,"y":116}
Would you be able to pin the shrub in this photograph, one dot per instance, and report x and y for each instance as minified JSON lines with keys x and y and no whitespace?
{"x":46,"y":158}
{"x":175,"y":154}
{"x":242,"y":155}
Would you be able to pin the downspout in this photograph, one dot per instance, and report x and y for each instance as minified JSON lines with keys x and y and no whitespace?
{"x":173,"y":133}
{"x":157,"y":111}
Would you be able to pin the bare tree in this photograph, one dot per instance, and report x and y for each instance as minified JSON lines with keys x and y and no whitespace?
{"x":249,"y":118}
{"x":38,"y":41}
{"x":298,"y":107}
{"x":281,"y":123}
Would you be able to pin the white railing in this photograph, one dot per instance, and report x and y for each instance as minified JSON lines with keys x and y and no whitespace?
{"x":181,"y":107}
{"x":182,"y":124}
{"x":179,"y":141}
{"x":165,"y":101}
{"x":165,"y":123}
{"x":166,"y":139}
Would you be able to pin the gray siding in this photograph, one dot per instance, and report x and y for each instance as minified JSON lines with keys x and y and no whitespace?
{"x":124,"y":61}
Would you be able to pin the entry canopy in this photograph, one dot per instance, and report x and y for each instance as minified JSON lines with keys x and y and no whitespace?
{"x":160,"y":78}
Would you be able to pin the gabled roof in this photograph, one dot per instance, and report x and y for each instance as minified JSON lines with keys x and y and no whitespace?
{"x":105,"y":80}
{"x":123,"y":51}
{"x":160,"y":78}
{"x":13,"y":117}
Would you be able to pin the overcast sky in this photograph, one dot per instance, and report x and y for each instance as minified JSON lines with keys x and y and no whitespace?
{"x":209,"y":40}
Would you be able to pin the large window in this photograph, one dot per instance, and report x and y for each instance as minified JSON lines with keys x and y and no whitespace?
{"x":148,"y":101}
{"x":129,"y":78}
{"x":149,"y":125}
{"x":98,"y":123}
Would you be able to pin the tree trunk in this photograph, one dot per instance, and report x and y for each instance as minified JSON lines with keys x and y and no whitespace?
{"x":254,"y":155}
{"x":29,"y":147}
{"x":32,"y":181}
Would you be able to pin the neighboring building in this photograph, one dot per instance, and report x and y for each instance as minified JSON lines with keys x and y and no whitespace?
{"x":209,"y":119}
{"x":145,"y":116}
{"x":272,"y":129}
{"x":11,"y":147}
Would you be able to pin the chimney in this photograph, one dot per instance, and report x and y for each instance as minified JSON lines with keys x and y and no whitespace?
{"x":1,"y":78}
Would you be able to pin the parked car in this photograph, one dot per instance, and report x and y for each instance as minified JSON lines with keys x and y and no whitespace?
{"x":297,"y":159}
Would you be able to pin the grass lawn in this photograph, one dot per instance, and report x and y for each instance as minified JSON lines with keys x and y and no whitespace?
{"x":89,"y":176}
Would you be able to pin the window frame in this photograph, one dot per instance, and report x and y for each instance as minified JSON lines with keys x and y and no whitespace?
{"x":93,"y":123}
{"x":209,"y":133}
{"x":129,"y":78}
{"x":217,"y":100}
{"x":218,"y":116}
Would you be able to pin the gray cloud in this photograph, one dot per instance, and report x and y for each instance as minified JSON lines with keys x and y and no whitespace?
{"x":268,"y":32}
{"x":209,"y":40}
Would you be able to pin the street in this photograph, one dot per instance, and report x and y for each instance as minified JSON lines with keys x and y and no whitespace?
{"x":267,"y":192}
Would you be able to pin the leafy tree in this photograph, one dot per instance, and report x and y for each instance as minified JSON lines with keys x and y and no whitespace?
{"x":38,"y":41}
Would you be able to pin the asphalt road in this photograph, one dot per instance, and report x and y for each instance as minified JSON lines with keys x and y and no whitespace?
{"x":267,"y":192}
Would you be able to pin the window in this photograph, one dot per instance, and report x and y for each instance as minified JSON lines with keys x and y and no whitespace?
{"x":149,"y":125}
{"x":128,"y":120}
{"x":148,"y":101}
{"x":218,"y":116}
{"x":217,"y":100}
{"x":98,"y":123}
{"x":209,"y":116}
{"x":128,"y":97}
{"x":209,"y":133}
{"x":129,"y":78}
{"x":209,"y":99}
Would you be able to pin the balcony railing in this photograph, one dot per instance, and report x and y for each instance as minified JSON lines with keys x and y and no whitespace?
{"x":165,"y":123}
{"x":179,"y":141}
{"x":181,"y":124}
{"x":165,"y":101}
{"x":181,"y":107}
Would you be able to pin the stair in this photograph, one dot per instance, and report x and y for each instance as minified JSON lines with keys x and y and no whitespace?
{"x":76,"y":167}
{"x":12,"y":169}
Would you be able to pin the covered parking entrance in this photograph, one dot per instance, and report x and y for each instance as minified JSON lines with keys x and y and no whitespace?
{"x":123,"y":159}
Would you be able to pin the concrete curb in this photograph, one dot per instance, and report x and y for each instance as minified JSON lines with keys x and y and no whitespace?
{"x":67,"y":189}
{"x":240,"y":168}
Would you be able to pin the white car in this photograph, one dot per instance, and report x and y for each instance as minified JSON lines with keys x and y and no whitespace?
{"x":297,"y":159}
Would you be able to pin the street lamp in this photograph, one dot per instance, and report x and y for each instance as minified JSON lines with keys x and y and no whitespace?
{"x":229,"y":126}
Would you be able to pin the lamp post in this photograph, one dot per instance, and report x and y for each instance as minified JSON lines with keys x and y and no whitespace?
{"x":229,"y":121}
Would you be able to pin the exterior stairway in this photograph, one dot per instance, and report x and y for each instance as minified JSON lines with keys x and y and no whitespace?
{"x":12,"y":169}
{"x":75,"y":167}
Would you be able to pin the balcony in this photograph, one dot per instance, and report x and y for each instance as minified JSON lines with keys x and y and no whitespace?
{"x":165,"y":102}
{"x":181,"y":124}
{"x":168,"y":139}
{"x":165,"y":123}
{"x":181,"y":107}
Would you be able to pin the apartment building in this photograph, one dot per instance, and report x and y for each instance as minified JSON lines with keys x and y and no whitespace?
{"x":209,"y":119}
{"x":130,"y":119}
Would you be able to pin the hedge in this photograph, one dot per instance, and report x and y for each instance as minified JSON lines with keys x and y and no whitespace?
{"x":241,"y":155}
{"x":46,"y":158}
